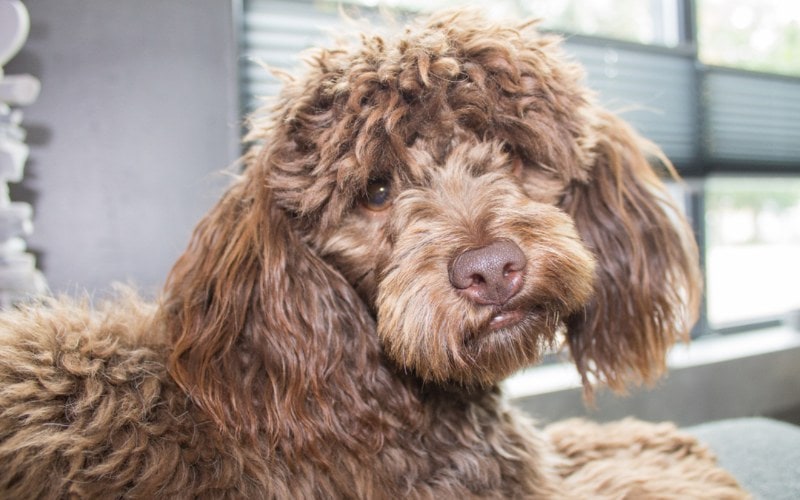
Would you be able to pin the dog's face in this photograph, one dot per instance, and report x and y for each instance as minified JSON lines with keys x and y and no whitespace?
{"x":468,"y":273}
{"x":458,"y":184}
{"x":431,"y":172}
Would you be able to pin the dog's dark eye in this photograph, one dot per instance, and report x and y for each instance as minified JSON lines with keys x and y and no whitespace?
{"x":378,"y":195}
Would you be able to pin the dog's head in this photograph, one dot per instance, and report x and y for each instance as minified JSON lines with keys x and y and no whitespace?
{"x":454,"y":192}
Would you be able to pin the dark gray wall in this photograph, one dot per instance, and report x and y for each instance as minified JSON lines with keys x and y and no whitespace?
{"x":137,"y":116}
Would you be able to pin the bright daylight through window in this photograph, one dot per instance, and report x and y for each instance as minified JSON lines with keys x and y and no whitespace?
{"x":752,"y":248}
{"x":762,"y":35}
{"x":650,"y":22}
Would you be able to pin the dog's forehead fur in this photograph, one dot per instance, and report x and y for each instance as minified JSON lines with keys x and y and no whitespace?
{"x":377,"y":108}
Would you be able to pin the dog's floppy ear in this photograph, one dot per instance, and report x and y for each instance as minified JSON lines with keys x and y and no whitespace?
{"x":259,"y":322}
{"x":647,"y":281}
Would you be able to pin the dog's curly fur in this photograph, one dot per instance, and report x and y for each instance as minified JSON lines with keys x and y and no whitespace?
{"x":317,"y":338}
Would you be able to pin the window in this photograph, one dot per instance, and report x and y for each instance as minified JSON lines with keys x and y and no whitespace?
{"x":651,"y":22}
{"x":761,"y":35}
{"x":752,"y":129}
{"x":752,"y":248}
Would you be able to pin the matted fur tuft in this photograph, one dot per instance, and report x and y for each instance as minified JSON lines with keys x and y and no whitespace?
{"x":421,"y":216}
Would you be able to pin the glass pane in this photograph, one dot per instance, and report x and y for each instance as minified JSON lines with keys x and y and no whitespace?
{"x":762,"y":35}
{"x":650,"y":22}
{"x":752,"y":249}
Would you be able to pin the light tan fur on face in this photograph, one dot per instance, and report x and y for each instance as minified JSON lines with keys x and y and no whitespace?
{"x":469,"y":202}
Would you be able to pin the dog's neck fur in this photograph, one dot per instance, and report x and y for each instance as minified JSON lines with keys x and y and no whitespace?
{"x":422,"y":426}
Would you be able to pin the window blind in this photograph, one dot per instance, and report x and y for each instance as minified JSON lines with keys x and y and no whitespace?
{"x":752,"y":119}
{"x":274,"y":32}
{"x":654,"y":91}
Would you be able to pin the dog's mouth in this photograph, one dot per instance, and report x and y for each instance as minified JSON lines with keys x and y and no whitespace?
{"x":513,"y":324}
{"x":510,"y":338}
{"x":508,"y":317}
{"x":505,"y":319}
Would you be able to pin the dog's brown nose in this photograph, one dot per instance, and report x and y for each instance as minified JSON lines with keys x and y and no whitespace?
{"x":490,"y":275}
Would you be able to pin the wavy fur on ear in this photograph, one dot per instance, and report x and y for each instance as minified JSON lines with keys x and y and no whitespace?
{"x":267,"y":337}
{"x":647,"y":283}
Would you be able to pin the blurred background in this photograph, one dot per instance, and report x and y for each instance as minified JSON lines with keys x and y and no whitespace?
{"x":142,"y":105}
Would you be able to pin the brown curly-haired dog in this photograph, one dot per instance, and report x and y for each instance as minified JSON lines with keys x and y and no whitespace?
{"x":422,"y":215}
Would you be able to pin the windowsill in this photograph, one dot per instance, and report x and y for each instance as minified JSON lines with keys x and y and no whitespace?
{"x":730,"y":347}
{"x":561,"y":376}
{"x":745,"y":374}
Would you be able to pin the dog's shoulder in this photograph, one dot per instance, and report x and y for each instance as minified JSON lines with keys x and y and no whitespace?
{"x":84,"y":394}
{"x":63,"y":361}
{"x":67,"y":337}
